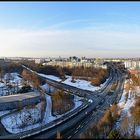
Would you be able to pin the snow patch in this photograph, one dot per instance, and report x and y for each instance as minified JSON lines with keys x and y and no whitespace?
{"x":47,"y":88}
{"x":82,"y":84}
{"x":52,"y":77}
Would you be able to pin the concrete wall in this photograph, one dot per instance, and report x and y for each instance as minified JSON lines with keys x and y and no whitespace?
{"x":21,"y":103}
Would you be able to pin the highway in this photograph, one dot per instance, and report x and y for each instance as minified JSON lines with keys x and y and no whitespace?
{"x":101,"y":101}
{"x":77,"y":121}
{"x":96,"y":115}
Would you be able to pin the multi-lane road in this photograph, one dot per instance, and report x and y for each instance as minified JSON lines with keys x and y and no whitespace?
{"x":92,"y":109}
{"x":101,"y":100}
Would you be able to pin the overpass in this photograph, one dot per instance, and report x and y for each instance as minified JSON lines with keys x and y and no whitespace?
{"x":18,"y":100}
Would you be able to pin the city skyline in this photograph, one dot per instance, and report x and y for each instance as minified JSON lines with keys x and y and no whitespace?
{"x":53,"y":29}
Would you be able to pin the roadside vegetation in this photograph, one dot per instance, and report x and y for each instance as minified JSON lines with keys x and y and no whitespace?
{"x":61,"y":102}
{"x":103,"y":128}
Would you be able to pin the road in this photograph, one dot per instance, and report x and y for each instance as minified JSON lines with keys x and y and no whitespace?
{"x":82,"y":120}
{"x":77,"y":121}
{"x":96,"y":115}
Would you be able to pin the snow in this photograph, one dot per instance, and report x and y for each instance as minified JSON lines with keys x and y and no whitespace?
{"x":48,"y":117}
{"x":125,"y":104}
{"x":2,"y":85}
{"x":52,"y":77}
{"x":77,"y":101}
{"x":16,"y":122}
{"x":4,"y":112}
{"x":14,"y":78}
{"x":137,"y":131}
{"x":82,"y":84}
{"x":20,"y":122}
{"x":47,"y":88}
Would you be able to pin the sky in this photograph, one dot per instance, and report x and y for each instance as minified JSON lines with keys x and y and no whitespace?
{"x":52,"y":29}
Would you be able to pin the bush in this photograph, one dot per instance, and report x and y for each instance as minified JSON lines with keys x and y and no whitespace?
{"x":25,"y":89}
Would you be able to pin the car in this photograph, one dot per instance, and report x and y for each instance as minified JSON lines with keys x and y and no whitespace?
{"x":90,"y":100}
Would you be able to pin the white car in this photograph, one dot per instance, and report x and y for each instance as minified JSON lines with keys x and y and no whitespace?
{"x":90,"y":100}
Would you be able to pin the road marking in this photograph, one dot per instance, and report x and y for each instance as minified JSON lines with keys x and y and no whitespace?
{"x":69,"y":137}
{"x":76,"y":131}
{"x":82,"y":126}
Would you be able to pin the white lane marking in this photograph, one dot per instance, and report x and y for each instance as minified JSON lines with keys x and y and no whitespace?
{"x":76,"y":131}
{"x":82,"y":126}
{"x":69,"y":137}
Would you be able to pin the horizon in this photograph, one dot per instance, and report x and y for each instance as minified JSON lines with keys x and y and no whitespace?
{"x":3,"y":57}
{"x":53,"y":29}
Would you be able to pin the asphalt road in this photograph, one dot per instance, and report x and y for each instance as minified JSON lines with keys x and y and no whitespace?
{"x":72,"y":127}
{"x":80,"y":123}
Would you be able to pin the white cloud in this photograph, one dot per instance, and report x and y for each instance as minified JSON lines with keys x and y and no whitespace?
{"x":90,"y":43}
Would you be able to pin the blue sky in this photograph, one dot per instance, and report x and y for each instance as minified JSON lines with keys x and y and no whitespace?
{"x":92,"y":29}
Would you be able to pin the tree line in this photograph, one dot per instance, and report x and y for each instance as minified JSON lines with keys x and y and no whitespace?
{"x":97,"y":75}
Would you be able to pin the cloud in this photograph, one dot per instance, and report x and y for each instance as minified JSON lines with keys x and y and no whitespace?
{"x":90,"y":43}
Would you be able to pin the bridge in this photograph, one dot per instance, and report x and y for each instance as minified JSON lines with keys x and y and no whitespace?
{"x":18,"y":100}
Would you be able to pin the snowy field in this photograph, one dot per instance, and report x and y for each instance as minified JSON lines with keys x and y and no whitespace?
{"x":82,"y":84}
{"x":27,"y":119}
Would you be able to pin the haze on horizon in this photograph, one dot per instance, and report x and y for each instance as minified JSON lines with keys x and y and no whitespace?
{"x":52,"y":29}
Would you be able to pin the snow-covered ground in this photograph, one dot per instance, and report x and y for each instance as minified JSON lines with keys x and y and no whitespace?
{"x":51,"y":77}
{"x":14,"y":78}
{"x":83,"y":84}
{"x":48,"y":88}
{"x":4,"y":112}
{"x":14,"y":121}
{"x":2,"y":85}
{"x":126,"y":102}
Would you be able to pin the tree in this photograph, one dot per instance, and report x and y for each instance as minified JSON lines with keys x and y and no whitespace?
{"x":1,"y":73}
{"x":43,"y":104}
{"x":26,"y":75}
{"x":58,"y":135}
{"x":114,"y":134}
{"x":114,"y":110}
{"x":125,"y":126}
{"x":135,"y":111}
{"x":35,"y":80}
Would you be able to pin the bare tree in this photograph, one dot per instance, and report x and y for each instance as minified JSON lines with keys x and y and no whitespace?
{"x":36,"y":81}
{"x":1,"y":73}
{"x":124,"y":126}
{"x":58,"y":135}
